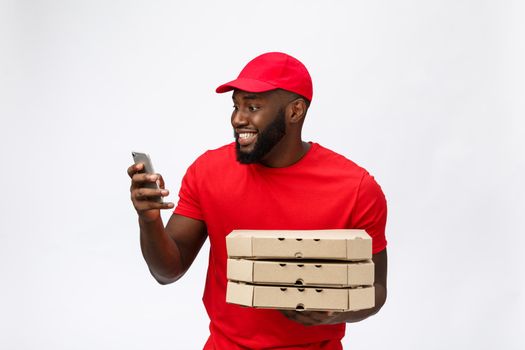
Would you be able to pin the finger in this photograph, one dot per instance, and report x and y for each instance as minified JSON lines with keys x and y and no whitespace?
{"x":308,"y":318}
{"x":158,"y":205}
{"x":304,"y":319}
{"x":160,"y":181}
{"x":323,"y":317}
{"x":140,"y":179}
{"x":320,"y":316}
{"x":146,"y":199}
{"x":297,"y":317}
{"x":146,"y":206}
{"x":145,"y":193}
{"x":310,"y":314}
{"x":135,"y":168}
{"x":149,"y":202}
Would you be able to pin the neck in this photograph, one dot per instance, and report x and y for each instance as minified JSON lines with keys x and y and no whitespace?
{"x":286,"y":153}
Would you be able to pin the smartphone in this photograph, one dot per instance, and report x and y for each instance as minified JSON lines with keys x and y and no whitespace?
{"x":139,"y":157}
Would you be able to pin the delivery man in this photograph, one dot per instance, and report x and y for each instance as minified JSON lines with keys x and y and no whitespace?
{"x":267,"y":179}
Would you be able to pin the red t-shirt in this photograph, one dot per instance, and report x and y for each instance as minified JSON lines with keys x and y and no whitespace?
{"x":324,"y":190}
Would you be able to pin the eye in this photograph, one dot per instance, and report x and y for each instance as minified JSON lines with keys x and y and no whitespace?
{"x":253,"y":108}
{"x":235,"y":108}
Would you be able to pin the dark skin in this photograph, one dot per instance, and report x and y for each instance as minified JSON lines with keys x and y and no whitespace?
{"x":254,"y":112}
{"x":169,"y":251}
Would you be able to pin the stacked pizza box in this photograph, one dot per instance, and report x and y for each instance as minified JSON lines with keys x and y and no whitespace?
{"x":322,"y":270}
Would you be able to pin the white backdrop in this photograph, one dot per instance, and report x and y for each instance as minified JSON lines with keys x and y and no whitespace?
{"x":427,"y":95}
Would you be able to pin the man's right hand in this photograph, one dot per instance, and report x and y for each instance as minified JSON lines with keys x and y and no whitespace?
{"x":143,"y":198}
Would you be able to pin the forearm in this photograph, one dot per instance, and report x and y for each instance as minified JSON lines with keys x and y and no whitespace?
{"x":356,"y":316}
{"x":160,"y":252}
{"x":380,"y":272}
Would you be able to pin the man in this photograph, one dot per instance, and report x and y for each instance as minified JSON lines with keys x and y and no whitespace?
{"x":267,"y":179}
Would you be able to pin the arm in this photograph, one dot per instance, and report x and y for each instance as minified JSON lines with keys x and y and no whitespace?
{"x":380,"y":271}
{"x":311,"y":318}
{"x":168,"y":251}
{"x":370,"y":214}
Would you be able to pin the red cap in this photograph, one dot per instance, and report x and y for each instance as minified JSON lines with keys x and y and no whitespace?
{"x":270,"y":71}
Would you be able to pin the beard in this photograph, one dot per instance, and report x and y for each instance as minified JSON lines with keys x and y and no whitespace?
{"x":266,"y":141}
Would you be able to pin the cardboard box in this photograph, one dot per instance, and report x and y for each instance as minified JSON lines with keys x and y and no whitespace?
{"x":318,"y":273}
{"x":295,"y":298}
{"x":311,"y":244}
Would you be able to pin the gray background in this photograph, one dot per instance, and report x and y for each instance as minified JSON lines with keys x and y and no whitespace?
{"x":427,"y":95}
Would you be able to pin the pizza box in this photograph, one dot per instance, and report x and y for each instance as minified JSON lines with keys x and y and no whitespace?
{"x":293,"y":272}
{"x":343,"y":244}
{"x":300,"y":298}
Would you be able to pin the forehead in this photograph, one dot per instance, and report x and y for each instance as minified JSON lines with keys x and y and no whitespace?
{"x":240,"y":95}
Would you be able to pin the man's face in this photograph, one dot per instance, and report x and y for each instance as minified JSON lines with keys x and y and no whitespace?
{"x":259,"y":124}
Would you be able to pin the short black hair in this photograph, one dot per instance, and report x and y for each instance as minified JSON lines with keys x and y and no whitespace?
{"x":307,"y":101}
{"x":295,"y":96}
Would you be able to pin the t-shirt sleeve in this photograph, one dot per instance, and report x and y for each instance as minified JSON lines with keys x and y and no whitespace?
{"x":371,"y":211}
{"x":189,"y":201}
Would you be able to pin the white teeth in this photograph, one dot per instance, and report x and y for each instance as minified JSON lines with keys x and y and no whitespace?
{"x":245,"y":135}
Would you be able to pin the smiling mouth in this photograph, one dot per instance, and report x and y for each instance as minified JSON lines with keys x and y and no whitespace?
{"x":246,"y":138}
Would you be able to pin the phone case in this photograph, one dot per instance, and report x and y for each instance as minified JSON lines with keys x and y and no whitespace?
{"x":140,"y":157}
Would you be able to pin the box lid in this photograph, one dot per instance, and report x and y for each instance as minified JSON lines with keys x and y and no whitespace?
{"x":344,"y":244}
{"x":308,"y":273}
{"x":295,"y":298}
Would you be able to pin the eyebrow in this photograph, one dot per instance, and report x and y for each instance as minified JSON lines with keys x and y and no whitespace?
{"x":248,"y":97}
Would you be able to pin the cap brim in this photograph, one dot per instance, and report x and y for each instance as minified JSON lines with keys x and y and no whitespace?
{"x":250,"y":85}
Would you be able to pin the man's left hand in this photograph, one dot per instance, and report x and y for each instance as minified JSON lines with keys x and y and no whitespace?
{"x":311,"y":318}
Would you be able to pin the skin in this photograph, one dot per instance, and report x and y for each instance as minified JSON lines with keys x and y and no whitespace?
{"x":169,"y":251}
{"x":255,"y":111}
{"x":264,"y":140}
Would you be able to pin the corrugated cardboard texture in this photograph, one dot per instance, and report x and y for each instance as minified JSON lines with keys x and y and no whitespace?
{"x":293,"y":298}
{"x":311,"y":244}
{"x":319,"y":273}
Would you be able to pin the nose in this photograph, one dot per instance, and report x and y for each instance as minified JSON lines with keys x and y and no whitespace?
{"x":239,"y":119}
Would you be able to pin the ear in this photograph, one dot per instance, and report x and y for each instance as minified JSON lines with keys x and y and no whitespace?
{"x":296,"y":111}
